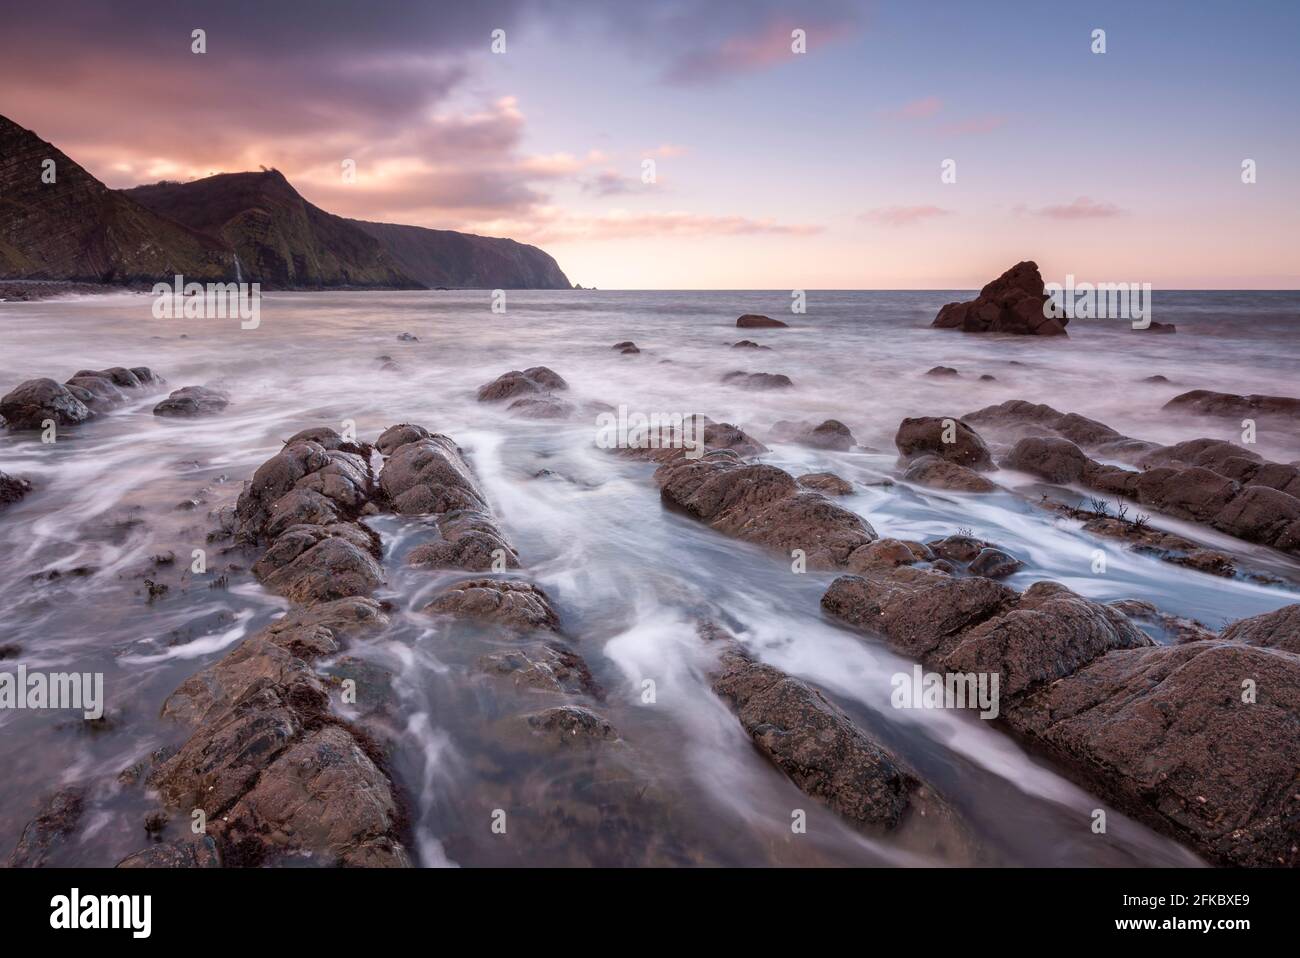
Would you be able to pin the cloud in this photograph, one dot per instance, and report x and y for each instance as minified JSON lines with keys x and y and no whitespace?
{"x":613,"y":183}
{"x":918,"y":109}
{"x":550,"y":225}
{"x":902,"y":215}
{"x":1081,"y":209}
{"x":974,"y":125}
{"x":755,"y":47}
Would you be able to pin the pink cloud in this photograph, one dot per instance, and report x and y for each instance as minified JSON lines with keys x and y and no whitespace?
{"x":919,"y":109}
{"x":550,"y":225}
{"x":747,"y":52}
{"x":1081,"y":209}
{"x":974,"y":125}
{"x":902,"y":215}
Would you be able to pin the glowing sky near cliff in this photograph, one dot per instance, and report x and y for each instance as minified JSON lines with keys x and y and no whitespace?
{"x":772,"y":169}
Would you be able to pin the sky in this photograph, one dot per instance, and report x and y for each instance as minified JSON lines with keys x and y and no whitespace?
{"x":685,"y":144}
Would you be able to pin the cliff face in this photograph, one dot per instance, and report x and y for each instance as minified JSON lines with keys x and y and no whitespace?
{"x":446,"y":258}
{"x":283,"y":241}
{"x":76,"y":228}
{"x":253,"y":226}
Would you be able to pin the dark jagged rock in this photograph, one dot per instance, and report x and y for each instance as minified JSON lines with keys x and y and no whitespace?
{"x":1012,"y":303}
{"x":942,"y":371}
{"x":519,"y":606}
{"x":748,"y":344}
{"x":755,"y":321}
{"x":926,"y":436}
{"x":193,"y":401}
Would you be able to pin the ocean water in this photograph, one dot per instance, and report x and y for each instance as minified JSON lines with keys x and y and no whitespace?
{"x":630,"y":579}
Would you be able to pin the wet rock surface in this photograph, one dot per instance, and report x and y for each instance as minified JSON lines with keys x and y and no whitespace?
{"x":1162,"y":731}
{"x":764,"y":505}
{"x":515,"y":605}
{"x":815,"y":744}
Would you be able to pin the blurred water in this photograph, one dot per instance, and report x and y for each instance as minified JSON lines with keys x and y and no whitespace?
{"x":629,"y":579}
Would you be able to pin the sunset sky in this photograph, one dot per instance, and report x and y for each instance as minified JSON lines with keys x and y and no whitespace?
{"x":774,"y":169}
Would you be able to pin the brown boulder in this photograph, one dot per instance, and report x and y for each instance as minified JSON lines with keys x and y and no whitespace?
{"x":429,"y":476}
{"x":1056,"y":460}
{"x":29,"y":404}
{"x":926,"y":436}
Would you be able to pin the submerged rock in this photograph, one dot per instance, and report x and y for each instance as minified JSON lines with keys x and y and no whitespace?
{"x":1206,"y":402}
{"x":12,"y":488}
{"x":520,"y":606}
{"x":940,"y":474}
{"x":757,"y":380}
{"x":193,"y":401}
{"x":51,"y":828}
{"x":827,"y":483}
